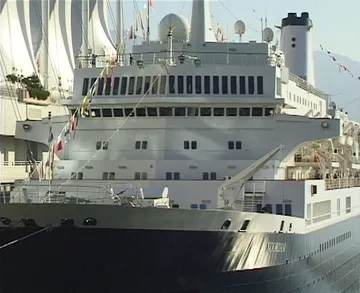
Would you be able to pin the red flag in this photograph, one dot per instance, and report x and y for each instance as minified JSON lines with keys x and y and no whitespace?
{"x":151,"y":3}
{"x":58,"y":146}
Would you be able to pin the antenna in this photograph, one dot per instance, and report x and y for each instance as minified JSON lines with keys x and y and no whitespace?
{"x":240,"y":29}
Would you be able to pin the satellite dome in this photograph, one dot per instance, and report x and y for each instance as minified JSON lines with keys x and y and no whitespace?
{"x":268,"y":35}
{"x":239,"y":27}
{"x":178,"y":24}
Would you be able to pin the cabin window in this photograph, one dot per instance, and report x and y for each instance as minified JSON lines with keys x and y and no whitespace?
{"x":118,"y":112}
{"x":226,"y":224}
{"x":107,"y":113}
{"x":260,"y":85}
{"x":95,"y":113}
{"x":194,"y":145}
{"x":116,"y":86}
{"x":147,"y":84}
{"x":242,"y":85}
{"x":268,"y":208}
{"x":171,"y":84}
{"x":80,"y":175}
{"x":186,"y":145}
{"x":85,"y":86}
{"x":224,"y":85}
{"x":165,"y":111}
{"x":192,"y":111}
{"x":257,"y":111}
{"x":198,"y":84}
{"x":269,"y":111}
{"x":105,"y":176}
{"x":168,"y":176}
{"x":219,"y":111}
{"x":152,"y":111}
{"x":194,"y":206}
{"x":129,"y":112}
{"x":100,"y":87}
{"x":244,"y":112}
{"x":231,"y":112}
{"x":238,"y":145}
{"x":108,"y":86}
{"x":137,"y":176}
{"x":92,"y":86}
{"x":205,"y":176}
{"x":105,"y":145}
{"x":140,"y":112}
{"x":251,"y":85}
{"x":180,"y":80}
{"x":144,"y":145}
{"x":139,"y":85}
{"x":231,"y":145}
{"x":123,"y":86}
{"x":348,"y":204}
{"x":288,"y":211}
{"x":137,"y":144}
{"x":176,"y":176}
{"x":189,"y":84}
{"x":215,"y":85}
{"x":206,"y":84}
{"x":112,"y":176}
{"x":213,"y":176}
{"x":279,"y":209}
{"x":98,"y":145}
{"x":143,"y":175}
{"x":244,"y":226}
{"x":131,"y":85}
{"x":338,"y":206}
{"x":73,"y":176}
{"x":155,"y":85}
{"x":205,"y":111}
{"x":233,"y":85}
{"x":180,"y":111}
{"x":163,"y":84}
{"x":313,"y":189}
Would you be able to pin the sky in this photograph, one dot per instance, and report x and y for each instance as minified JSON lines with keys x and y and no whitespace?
{"x":336,"y":25}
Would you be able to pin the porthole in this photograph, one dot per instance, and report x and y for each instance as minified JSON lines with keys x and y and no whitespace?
{"x":5,"y":221}
{"x":90,"y":222}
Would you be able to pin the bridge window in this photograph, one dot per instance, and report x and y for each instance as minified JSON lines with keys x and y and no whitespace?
{"x":231,"y":111}
{"x":205,"y":111}
{"x":147,"y":84}
{"x":163,"y":84}
{"x":180,"y":111}
{"x":219,"y":111}
{"x":139,"y":85}
{"x":108,"y":86}
{"x":269,"y":111}
{"x":140,"y":112}
{"x":233,"y":85}
{"x":106,"y":112}
{"x":215,"y":85}
{"x":165,"y":111}
{"x":152,"y":111}
{"x":268,"y":208}
{"x":131,"y":85}
{"x":85,"y":86}
{"x":123,"y":85}
{"x":100,"y":87}
{"x":206,"y":84}
{"x":118,"y":112}
{"x":260,"y":85}
{"x":257,"y":111}
{"x":171,"y":84}
{"x":95,"y":113}
{"x":198,"y":84}
{"x":288,"y":211}
{"x":251,"y":85}
{"x":116,"y":86}
{"x":129,"y":112}
{"x":279,"y":209}
{"x":224,"y":85}
{"x":92,"y":88}
{"x":180,"y":80}
{"x":242,"y":85}
{"x":244,"y":111}
{"x":155,"y":85}
{"x":189,"y":84}
{"x":192,"y":111}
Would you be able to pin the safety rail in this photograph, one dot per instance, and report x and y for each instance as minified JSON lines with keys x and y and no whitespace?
{"x":331,"y":184}
{"x":16,"y":163}
{"x":301,"y":83}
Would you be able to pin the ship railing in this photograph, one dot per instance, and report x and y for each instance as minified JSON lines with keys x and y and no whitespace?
{"x":341,"y":183}
{"x":301,"y":83}
{"x":16,"y":163}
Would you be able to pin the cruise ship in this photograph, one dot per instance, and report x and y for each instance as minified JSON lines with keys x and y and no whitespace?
{"x":193,"y":165}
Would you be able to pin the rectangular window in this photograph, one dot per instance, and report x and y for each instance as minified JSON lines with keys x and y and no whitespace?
{"x":129,"y":112}
{"x":233,"y":85}
{"x":186,"y":145}
{"x":231,"y":145}
{"x":205,"y":111}
{"x":144,"y":145}
{"x":95,"y":113}
{"x":251,"y":85}
{"x":202,"y":206}
{"x":205,"y":176}
{"x":206,"y":84}
{"x":176,"y":176}
{"x":224,"y":85}
{"x":238,"y":145}
{"x":193,"y":145}
{"x":192,"y":111}
{"x":219,"y":111}
{"x":212,"y":176}
{"x":137,"y":144}
{"x":163,"y":84}
{"x":85,"y":86}
{"x":116,"y":86}
{"x":165,"y":111}
{"x":80,"y":175}
{"x":108,"y":86}
{"x":180,"y":111}
{"x":98,"y":145}
{"x":231,"y":112}
{"x":244,"y":112}
{"x":137,"y":176}
{"x":147,"y":84}
{"x":92,"y":86}
{"x":189,"y":84}
{"x":105,"y":176}
{"x":100,"y":87}
{"x":180,"y":80}
{"x":152,"y":111}
{"x":256,"y":111}
{"x":279,"y":209}
{"x":198,"y":84}
{"x":215,"y":85}
{"x":123,"y":86}
{"x":139,"y":85}
{"x":107,"y":113}
{"x":338,"y":206}
{"x":131,"y":85}
{"x":140,"y":112}
{"x":143,"y":175}
{"x":194,"y":206}
{"x":348,"y":204}
{"x":260,"y":85}
{"x":269,"y":111}
{"x":268,"y":208}
{"x":242,"y":85}
{"x":171,"y":84}
{"x":73,"y":176}
{"x":154,"y":85}
{"x":313,"y":189}
{"x":105,"y":145}
{"x":112,"y":176}
{"x":118,"y":113}
{"x":288,"y":209}
{"x":168,"y":176}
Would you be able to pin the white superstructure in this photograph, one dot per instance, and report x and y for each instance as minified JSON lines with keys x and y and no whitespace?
{"x":191,"y":115}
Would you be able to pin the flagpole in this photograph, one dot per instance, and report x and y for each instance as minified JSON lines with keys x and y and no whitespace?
{"x":49,"y":153}
{"x":134,"y":23}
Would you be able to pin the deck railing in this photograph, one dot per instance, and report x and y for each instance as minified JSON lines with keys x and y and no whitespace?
{"x":331,"y":184}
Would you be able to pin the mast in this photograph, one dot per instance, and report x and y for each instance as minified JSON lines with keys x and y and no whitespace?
{"x":148,"y":22}
{"x":120,"y":30}
{"x":85,"y":32}
{"x":44,"y":64}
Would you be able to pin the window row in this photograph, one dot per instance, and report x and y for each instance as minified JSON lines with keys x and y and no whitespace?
{"x":102,"y":145}
{"x":280,"y":209}
{"x":336,"y":240}
{"x":179,"y":84}
{"x":303,"y":101}
{"x":181,"y":111}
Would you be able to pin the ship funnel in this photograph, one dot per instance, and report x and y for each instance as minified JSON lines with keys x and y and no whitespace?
{"x":201,"y":28}
{"x":296,"y":43}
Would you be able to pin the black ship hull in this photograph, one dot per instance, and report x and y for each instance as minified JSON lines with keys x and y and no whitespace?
{"x":111,"y":260}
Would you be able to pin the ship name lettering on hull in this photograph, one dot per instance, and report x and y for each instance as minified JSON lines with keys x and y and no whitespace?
{"x":276,"y":246}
